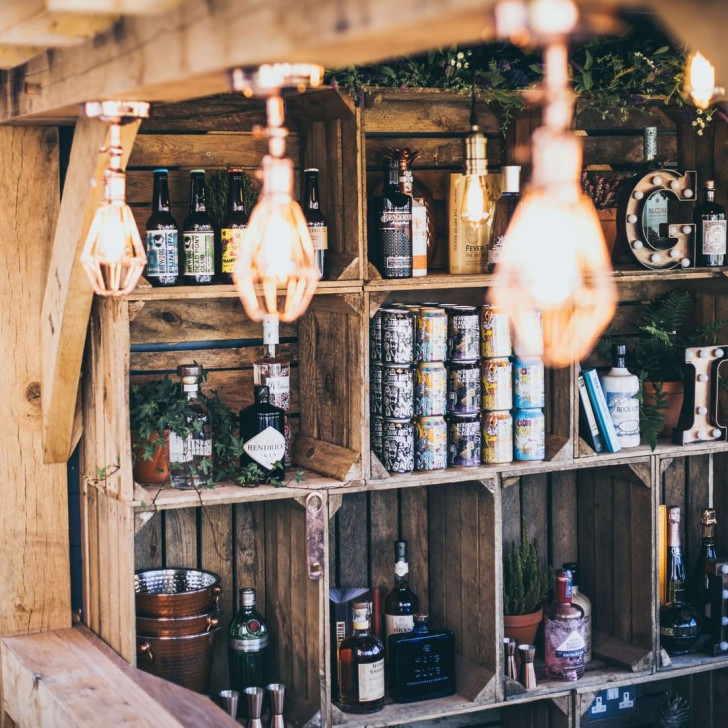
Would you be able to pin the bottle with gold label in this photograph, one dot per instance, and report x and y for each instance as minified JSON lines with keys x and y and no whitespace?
{"x":317,"y":227}
{"x":232,"y":227}
{"x":401,"y":603}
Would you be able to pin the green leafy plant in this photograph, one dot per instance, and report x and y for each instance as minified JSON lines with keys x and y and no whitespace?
{"x":673,"y":711}
{"x":525,"y":583}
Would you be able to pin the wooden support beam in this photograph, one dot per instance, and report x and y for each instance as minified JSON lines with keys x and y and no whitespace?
{"x":11,"y":56}
{"x":68,"y":294}
{"x":114,"y":7}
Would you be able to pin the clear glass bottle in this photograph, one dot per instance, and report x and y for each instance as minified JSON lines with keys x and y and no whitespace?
{"x":621,"y":388}
{"x":361,"y":677}
{"x":710,"y":229}
{"x":317,"y":225}
{"x":679,"y":628}
{"x":162,"y":237}
{"x":248,"y":637}
{"x":699,"y":582}
{"x":190,"y":457}
{"x":564,"y":633}
{"x":274,"y":372}
{"x":504,"y":209}
{"x":198,"y":236}
{"x":401,"y":603}
{"x":232,"y":227}
{"x":262,"y":430}
{"x":583,"y":601}
{"x":421,"y":663}
{"x":392,"y":226}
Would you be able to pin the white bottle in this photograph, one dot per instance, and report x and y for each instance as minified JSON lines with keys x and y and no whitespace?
{"x":620,"y":390}
{"x":584,"y":602}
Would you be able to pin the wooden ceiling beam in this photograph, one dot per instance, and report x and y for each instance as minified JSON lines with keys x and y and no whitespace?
{"x":114,"y":7}
{"x":68,"y":293}
{"x":11,"y":56}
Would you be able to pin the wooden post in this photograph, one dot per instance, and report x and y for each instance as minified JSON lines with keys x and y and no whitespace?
{"x":34,"y":565}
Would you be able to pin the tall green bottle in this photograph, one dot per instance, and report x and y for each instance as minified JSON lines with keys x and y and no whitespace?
{"x":248,"y":645}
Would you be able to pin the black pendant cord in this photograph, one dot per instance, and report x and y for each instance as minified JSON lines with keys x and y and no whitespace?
{"x":473,"y":115}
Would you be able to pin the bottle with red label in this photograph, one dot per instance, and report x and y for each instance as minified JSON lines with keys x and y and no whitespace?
{"x":248,"y":645}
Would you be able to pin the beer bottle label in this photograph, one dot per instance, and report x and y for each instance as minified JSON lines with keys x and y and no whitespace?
{"x":199,"y":253}
{"x":162,"y":253}
{"x":231,"y":239}
{"x":319,"y":237}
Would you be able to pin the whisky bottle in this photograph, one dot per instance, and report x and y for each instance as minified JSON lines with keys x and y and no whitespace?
{"x":274,"y":372}
{"x":232,"y":227}
{"x":421,"y":663}
{"x":262,"y":431}
{"x":401,"y":603}
{"x":162,"y":238}
{"x":504,"y":209}
{"x":392,"y":226}
{"x":198,"y":235}
{"x":564,"y":633}
{"x":679,"y":628}
{"x":620,"y":388}
{"x":699,"y":582}
{"x":361,"y":678}
{"x":710,"y":229}
{"x":583,"y":601}
{"x":248,"y":645}
{"x":316,"y":222}
{"x":190,"y":456}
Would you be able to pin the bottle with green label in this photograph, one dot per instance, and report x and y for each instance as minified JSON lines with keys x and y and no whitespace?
{"x":162,"y":239}
{"x":198,"y":236}
{"x":232,"y":227}
{"x":248,"y":645}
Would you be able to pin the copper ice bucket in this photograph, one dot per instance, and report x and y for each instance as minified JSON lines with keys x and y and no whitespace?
{"x":175,"y":592}
{"x":177,"y":626}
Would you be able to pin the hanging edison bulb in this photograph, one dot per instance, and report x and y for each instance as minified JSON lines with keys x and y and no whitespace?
{"x":475,"y":205}
{"x":700,"y":81}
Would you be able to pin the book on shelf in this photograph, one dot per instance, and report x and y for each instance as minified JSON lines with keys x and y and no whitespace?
{"x":601,"y":411}
{"x":662,"y":551}
{"x":587,"y":420}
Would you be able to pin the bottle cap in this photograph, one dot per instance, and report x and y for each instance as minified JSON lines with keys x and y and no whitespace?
{"x":247,"y":597}
{"x":400,"y":550}
{"x":709,"y":184}
{"x":270,"y":330}
{"x":161,"y":170}
{"x":421,"y":617}
{"x":573,"y":567}
{"x":619,"y":350}
{"x":510,"y":179}
{"x":197,"y":171}
{"x":708,"y":517}
{"x":360,"y":615}
{"x":310,"y":169}
{"x":235,"y":170}
{"x":261,"y":393}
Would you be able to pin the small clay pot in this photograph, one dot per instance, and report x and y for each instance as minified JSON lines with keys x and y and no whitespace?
{"x":522,"y":627}
{"x":156,"y":470}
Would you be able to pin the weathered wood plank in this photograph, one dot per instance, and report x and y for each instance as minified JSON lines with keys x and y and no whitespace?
{"x":148,"y":542}
{"x":126,"y":7}
{"x":383,"y":532}
{"x":606,"y":530}
{"x":563,"y":529}
{"x":11,"y":55}
{"x":181,"y":538}
{"x":413,"y":517}
{"x":353,"y":552}
{"x":622,"y":576}
{"x":249,"y":550}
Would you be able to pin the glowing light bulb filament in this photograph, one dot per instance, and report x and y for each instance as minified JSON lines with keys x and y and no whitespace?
{"x":700,"y":81}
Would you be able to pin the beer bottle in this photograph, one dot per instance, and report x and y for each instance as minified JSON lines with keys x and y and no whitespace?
{"x":162,"y":239}
{"x":198,"y":236}
{"x":232,"y":227}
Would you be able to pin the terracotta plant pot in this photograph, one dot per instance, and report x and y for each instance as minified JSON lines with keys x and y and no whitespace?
{"x":673,"y":394}
{"x":608,"y":221}
{"x":155,"y":470}
{"x":522,"y":627}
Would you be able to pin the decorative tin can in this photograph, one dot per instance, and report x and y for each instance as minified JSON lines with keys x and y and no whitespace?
{"x":430,"y":443}
{"x":375,"y":435}
{"x":463,"y":388}
{"x":431,"y":335}
{"x":397,"y":336}
{"x":376,"y":388}
{"x":497,"y":384}
{"x":463,"y":441}
{"x":398,"y":446}
{"x":398,"y":392}
{"x":529,"y":434}
{"x":463,"y":333}
{"x":528,"y":337}
{"x":495,"y":332}
{"x":497,"y":437}
{"x":430,"y":389}
{"x":528,"y":383}
{"x":375,"y":337}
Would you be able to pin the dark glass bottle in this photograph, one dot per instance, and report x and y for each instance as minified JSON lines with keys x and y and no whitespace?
{"x":392,"y":226}
{"x":504,"y":209}
{"x":361,"y":672}
{"x":421,"y":663}
{"x":162,"y":237}
{"x":679,"y":627}
{"x":198,"y":236}
{"x":710,"y":229}
{"x":232,"y":227}
{"x":248,"y":645}
{"x":401,"y":603}
{"x":262,"y":429}
{"x":699,"y":581}
{"x":317,"y":226}
{"x":563,"y":625}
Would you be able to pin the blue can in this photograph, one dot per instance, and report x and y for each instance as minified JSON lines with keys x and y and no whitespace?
{"x":528,"y":383}
{"x":529,"y":434}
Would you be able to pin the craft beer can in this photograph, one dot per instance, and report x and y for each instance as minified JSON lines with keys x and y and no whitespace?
{"x":528,"y":383}
{"x":497,"y":444}
{"x":375,"y":337}
{"x":463,"y":388}
{"x":398,"y":391}
{"x":397,"y":336}
{"x":463,"y":441}
{"x":376,"y":386}
{"x":375,"y":436}
{"x":398,"y":446}
{"x":430,"y":389}
{"x":463,"y":333}
{"x":495,"y":332}
{"x":529,"y":434}
{"x":431,"y":335}
{"x":497,"y":384}
{"x":430,"y":443}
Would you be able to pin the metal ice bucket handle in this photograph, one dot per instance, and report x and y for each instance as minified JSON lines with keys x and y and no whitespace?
{"x":217,"y":590}
{"x":212,"y":622}
{"x":146,"y":649}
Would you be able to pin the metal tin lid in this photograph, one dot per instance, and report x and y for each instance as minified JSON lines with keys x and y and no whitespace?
{"x":311,"y":169}
{"x":247,"y":597}
{"x":197,"y":171}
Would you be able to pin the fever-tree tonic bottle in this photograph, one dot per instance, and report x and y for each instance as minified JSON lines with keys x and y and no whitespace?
{"x":198,"y":236}
{"x":248,"y":645}
{"x":162,"y":239}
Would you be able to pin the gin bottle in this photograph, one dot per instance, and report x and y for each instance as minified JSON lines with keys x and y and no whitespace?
{"x":261,"y":428}
{"x":564,"y":633}
{"x":583,"y":601}
{"x":620,"y":391}
{"x":248,"y":645}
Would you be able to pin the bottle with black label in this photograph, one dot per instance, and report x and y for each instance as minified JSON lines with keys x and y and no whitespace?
{"x":162,"y":238}
{"x":232,"y":227}
{"x":317,"y":226}
{"x":198,"y":236}
{"x":710,"y":229}
{"x":248,"y":645}
{"x":262,"y":428}
{"x":392,"y":226}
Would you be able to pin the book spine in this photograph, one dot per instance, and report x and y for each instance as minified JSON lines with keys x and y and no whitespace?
{"x":590,"y":427}
{"x":662,"y":552}
{"x":601,"y":411}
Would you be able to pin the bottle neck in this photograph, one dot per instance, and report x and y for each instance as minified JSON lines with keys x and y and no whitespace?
{"x":361,"y":629}
{"x":421,"y":627}
{"x":160,"y":195}
{"x":563,"y":591}
{"x":311,"y":195}
{"x":235,"y":193}
{"x":391,"y":177}
{"x":401,"y":573}
{"x":673,"y":535}
{"x":270,"y":336}
{"x":406,"y":181}
{"x":197,"y":194}
{"x":619,"y":362}
{"x":709,"y":195}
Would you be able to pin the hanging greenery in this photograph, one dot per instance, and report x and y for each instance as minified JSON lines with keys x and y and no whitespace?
{"x":611,"y":76}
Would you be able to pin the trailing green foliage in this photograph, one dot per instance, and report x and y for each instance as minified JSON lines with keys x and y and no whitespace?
{"x":525,"y":583}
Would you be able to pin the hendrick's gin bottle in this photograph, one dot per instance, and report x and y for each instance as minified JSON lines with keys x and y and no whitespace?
{"x":262,"y":431}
